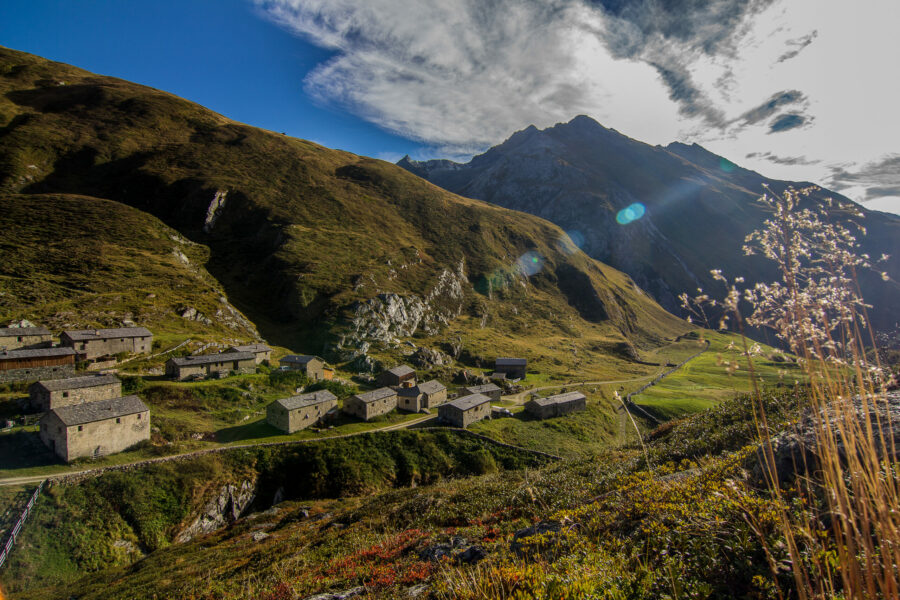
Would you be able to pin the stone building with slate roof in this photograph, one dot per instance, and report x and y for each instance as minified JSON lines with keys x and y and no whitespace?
{"x":556,"y":406}
{"x":491,"y":390}
{"x":430,"y":394}
{"x":464,"y":411}
{"x":399,"y":376}
{"x":312,"y":366}
{"x":299,"y":412}
{"x":94,"y":343}
{"x":36,"y":364}
{"x":56,"y":393}
{"x":14,"y":338}
{"x":95,"y":429}
{"x":210,"y":365}
{"x":514,"y":368}
{"x":262,"y":352}
{"x":369,"y":405}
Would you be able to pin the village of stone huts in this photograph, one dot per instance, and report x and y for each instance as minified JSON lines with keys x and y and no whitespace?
{"x":85,"y":414}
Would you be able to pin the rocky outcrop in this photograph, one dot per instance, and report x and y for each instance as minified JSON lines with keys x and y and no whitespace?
{"x":225,"y":508}
{"x":427,"y":358}
{"x":214,"y":210}
{"x":796,"y":450}
{"x":388,"y":317}
{"x":357,"y":592}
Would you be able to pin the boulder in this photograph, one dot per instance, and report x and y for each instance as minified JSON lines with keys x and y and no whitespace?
{"x":351,"y":593}
{"x":223,"y":509}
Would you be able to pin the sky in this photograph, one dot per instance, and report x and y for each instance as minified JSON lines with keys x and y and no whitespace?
{"x":804,"y":90}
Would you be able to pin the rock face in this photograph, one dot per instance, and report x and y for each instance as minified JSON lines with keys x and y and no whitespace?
{"x":794,"y":448}
{"x":225,"y":508}
{"x":428,"y":357}
{"x":388,"y":317}
{"x":213,"y":212}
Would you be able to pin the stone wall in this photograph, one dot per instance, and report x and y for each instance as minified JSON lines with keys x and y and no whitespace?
{"x":369,"y":410}
{"x":95,"y":439}
{"x":37,"y":373}
{"x":25,"y":342}
{"x":464,"y":418}
{"x":96,"y":348}
{"x":43,"y":401}
{"x":299,"y":418}
{"x":436,"y":399}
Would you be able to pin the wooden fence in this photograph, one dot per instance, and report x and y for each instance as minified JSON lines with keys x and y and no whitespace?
{"x":17,"y":528}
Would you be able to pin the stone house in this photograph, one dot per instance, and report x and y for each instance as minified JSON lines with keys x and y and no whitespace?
{"x":556,"y":406}
{"x":95,"y":428}
{"x":464,"y":411}
{"x":369,"y":405}
{"x":14,"y":338}
{"x":262,"y":352}
{"x":55,"y":393}
{"x":399,"y":376}
{"x":299,"y":412}
{"x":491,"y":390}
{"x":312,"y":366}
{"x":210,"y":365}
{"x":514,"y":368}
{"x":94,"y":343}
{"x":423,"y":396}
{"x":36,"y":364}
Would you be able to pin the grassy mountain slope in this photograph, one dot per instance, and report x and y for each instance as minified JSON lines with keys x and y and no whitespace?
{"x":299,"y":235}
{"x":75,"y":261}
{"x":699,"y":207}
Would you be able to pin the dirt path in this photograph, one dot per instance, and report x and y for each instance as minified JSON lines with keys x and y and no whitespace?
{"x":39,"y":478}
{"x":519,"y":398}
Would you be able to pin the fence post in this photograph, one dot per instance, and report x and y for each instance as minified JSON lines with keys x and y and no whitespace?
{"x":17,"y":528}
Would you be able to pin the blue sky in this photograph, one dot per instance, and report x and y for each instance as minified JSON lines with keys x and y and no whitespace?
{"x":796,"y":89}
{"x":222,"y":54}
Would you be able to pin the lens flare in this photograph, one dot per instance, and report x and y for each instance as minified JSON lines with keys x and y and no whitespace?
{"x":570,"y":243}
{"x":726,"y":165}
{"x":630,"y":214}
{"x":530,"y":264}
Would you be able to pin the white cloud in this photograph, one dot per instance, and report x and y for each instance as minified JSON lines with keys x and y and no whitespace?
{"x":461,"y":75}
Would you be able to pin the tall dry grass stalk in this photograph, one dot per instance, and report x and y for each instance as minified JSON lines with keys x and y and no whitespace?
{"x":841,"y":515}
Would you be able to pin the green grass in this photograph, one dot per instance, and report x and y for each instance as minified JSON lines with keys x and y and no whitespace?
{"x":705,"y":380}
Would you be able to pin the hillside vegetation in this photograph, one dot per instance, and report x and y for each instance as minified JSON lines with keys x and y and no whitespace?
{"x":310,"y":243}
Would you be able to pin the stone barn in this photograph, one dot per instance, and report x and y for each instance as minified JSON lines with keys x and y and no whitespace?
{"x":95,"y":429}
{"x":94,"y":343}
{"x":299,"y":412}
{"x":513,"y":368}
{"x":262,"y":352}
{"x":311,"y":366}
{"x":464,"y":411}
{"x":55,"y":393}
{"x":210,"y":365}
{"x":400,"y":376}
{"x":369,"y":405}
{"x":15,"y":338}
{"x":36,"y":364}
{"x":491,"y":390}
{"x":556,"y":406}
{"x":430,"y":394}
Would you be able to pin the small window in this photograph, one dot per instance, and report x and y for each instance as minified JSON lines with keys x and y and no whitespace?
{"x":59,"y":430}
{"x":139,"y":416}
{"x":81,"y":428}
{"x":19,"y":339}
{"x":118,"y":420}
{"x":65,"y":394}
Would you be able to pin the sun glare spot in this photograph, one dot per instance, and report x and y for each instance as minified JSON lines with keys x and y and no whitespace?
{"x":630,"y":214}
{"x":530,"y":264}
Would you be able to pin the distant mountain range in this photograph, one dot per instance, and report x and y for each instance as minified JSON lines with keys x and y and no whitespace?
{"x":690,"y":209}
{"x":321,"y":249}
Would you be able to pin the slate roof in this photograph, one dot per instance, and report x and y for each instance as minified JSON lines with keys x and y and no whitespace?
{"x":82,"y":335}
{"x":511,"y":362}
{"x":74,"y":383}
{"x":402,"y":370}
{"x":481,"y":389}
{"x":300,"y":359}
{"x":468,"y":402}
{"x":429,"y":387}
{"x":89,"y":412}
{"x":206,"y":359}
{"x":17,"y":331}
{"x":558,"y":399}
{"x":255,"y":348}
{"x":378,"y":394}
{"x":304,"y":400}
{"x":36,"y":353}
